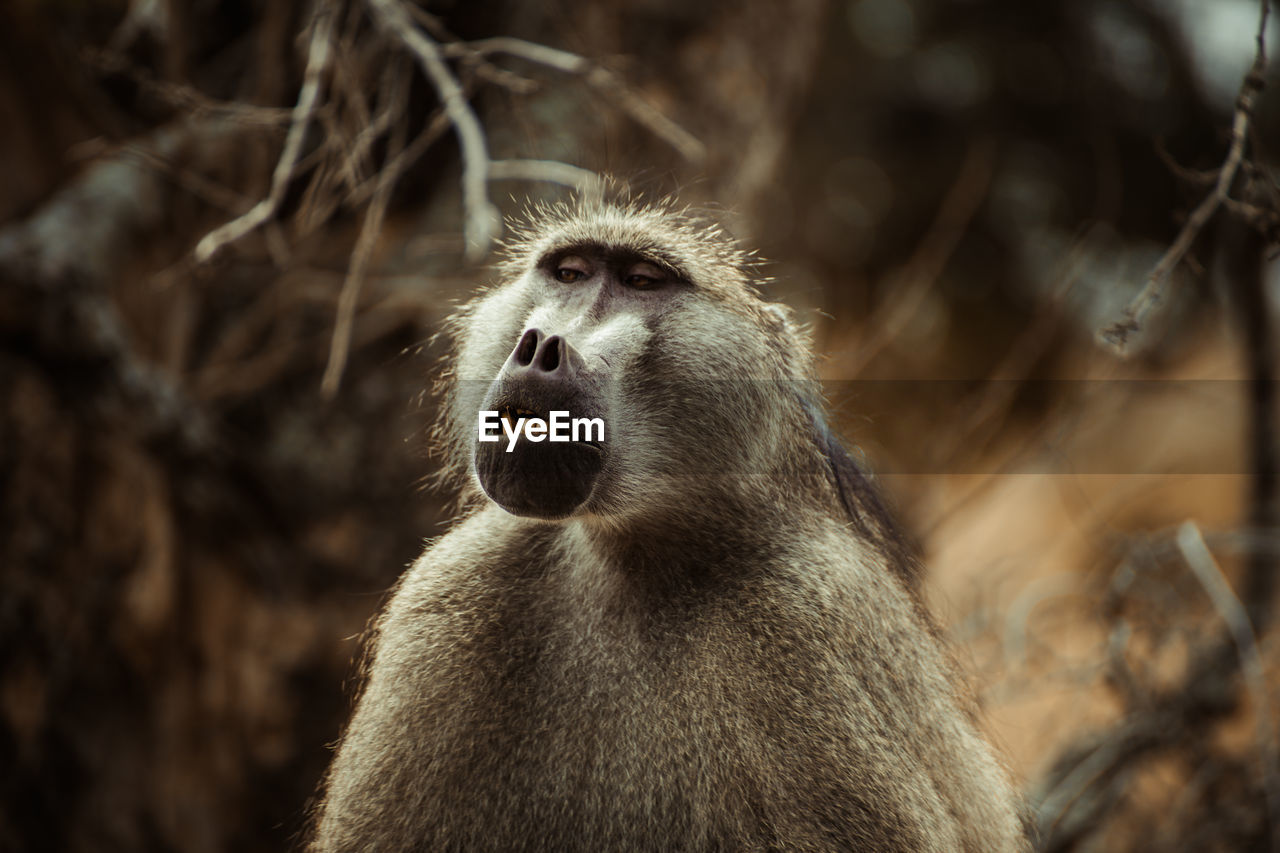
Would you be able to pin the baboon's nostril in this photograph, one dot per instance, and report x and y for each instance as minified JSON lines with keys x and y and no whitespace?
{"x":526,"y":348}
{"x":551,"y":353}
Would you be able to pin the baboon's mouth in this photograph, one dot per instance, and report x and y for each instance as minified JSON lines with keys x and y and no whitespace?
{"x":540,"y":466}
{"x":539,"y":473}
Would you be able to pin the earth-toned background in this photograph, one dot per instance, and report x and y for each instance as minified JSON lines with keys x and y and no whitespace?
{"x":213,"y":452}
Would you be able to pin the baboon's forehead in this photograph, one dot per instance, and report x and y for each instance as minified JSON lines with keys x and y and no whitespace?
{"x":696,"y":251}
{"x":617,"y":253}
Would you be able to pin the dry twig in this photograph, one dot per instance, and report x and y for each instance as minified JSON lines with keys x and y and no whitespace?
{"x":340,"y":343}
{"x":343,"y":170}
{"x":1209,"y":574}
{"x":912,"y":283}
{"x":551,"y":171}
{"x":1117,"y":334}
{"x":689,"y":146}
{"x":318,"y":58}
{"x":482,"y":219}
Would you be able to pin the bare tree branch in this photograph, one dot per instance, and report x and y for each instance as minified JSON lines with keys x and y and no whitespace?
{"x":184,"y":97}
{"x":318,"y":58}
{"x":1086,"y":783}
{"x":689,"y":146}
{"x":369,"y":231}
{"x":912,"y":282}
{"x":1209,"y":574}
{"x":551,"y":171}
{"x":1117,"y":334}
{"x":482,"y":219}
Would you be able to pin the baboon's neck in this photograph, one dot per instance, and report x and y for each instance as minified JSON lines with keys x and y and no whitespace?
{"x":706,"y":545}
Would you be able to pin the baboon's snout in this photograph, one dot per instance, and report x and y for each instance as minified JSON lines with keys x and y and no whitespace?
{"x":553,"y":441}
{"x":545,"y":358}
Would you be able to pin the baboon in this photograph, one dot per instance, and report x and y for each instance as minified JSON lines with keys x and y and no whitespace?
{"x":697,"y":634}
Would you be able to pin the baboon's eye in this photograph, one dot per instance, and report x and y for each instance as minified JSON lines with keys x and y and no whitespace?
{"x":571,"y":268}
{"x":644,"y":277}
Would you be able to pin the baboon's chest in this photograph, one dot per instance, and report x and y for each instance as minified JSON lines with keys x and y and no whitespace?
{"x":609,"y":736}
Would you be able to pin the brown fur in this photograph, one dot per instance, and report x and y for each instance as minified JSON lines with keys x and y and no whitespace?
{"x":719,"y":651}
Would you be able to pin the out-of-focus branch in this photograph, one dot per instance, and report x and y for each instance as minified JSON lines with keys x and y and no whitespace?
{"x":369,"y":231}
{"x":912,"y":283}
{"x":1200,"y":559}
{"x":407,"y":29}
{"x":1086,"y":783}
{"x":609,"y":84}
{"x":335,"y":81}
{"x":482,"y":219}
{"x":551,"y":171}
{"x":187,"y":99}
{"x":1116,"y":335}
{"x":318,"y":58}
{"x":399,"y":162}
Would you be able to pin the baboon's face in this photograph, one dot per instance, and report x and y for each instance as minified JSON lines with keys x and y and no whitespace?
{"x":622,"y":336}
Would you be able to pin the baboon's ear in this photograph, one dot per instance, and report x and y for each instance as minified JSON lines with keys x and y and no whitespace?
{"x":786,"y":323}
{"x":781,"y":313}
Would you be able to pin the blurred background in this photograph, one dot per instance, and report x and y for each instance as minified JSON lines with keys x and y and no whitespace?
{"x":229,"y":231}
